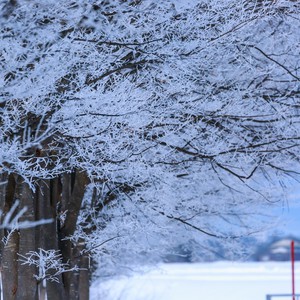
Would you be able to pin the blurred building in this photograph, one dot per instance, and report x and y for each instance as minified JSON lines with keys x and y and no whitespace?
{"x":278,"y":250}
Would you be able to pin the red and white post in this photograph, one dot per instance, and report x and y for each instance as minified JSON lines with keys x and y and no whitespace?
{"x":293,"y":267}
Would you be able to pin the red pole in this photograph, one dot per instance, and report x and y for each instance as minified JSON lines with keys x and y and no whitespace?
{"x":293,"y":267}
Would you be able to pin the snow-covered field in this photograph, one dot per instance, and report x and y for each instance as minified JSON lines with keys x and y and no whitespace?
{"x":206,"y":281}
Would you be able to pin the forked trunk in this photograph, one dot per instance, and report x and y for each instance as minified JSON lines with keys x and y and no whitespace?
{"x":50,"y":200}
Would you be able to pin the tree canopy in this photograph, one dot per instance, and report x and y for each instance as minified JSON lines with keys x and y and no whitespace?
{"x":179,"y":119}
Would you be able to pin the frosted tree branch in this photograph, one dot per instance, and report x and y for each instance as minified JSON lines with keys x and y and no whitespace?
{"x":48,"y":262}
{"x":12,"y":221}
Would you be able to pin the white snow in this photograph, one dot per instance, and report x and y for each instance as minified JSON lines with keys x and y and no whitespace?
{"x":207,"y":281}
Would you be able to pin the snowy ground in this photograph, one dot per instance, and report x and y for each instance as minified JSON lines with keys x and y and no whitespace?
{"x":207,"y":281}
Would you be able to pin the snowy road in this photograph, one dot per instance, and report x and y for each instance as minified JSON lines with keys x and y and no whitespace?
{"x":209,"y":281}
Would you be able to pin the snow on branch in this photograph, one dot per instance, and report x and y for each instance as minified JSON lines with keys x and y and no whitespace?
{"x":13,"y":222}
{"x":49,"y":263}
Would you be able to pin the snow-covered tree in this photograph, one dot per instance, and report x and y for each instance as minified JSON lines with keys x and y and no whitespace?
{"x":136,"y":124}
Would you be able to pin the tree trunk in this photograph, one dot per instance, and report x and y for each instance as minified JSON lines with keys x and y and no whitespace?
{"x":84,"y":274}
{"x":42,"y":289}
{"x":9,"y":241}
{"x":52,"y":199}
{"x":47,"y":196}
{"x":72,"y":195}
{"x":10,"y":267}
{"x":27,"y":285}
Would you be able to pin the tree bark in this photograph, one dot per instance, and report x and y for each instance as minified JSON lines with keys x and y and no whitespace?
{"x":10,"y":267}
{"x":47,"y":195}
{"x":51,"y":199}
{"x":72,"y":195}
{"x":84,"y":275}
{"x":27,"y":284}
{"x":9,"y":241}
{"x":55,"y":290}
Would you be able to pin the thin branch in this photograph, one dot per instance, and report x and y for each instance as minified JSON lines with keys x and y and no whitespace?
{"x":241,"y":177}
{"x":188,"y":224}
{"x":99,"y":245}
{"x":129,"y":65}
{"x":275,"y":61}
{"x":111,"y":43}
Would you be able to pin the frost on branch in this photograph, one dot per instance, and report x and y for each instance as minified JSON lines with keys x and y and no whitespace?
{"x":11,"y":220}
{"x":183,"y":114}
{"x":48,"y":262}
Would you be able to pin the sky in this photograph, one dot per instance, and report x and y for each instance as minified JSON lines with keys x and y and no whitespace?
{"x":290,"y":222}
{"x":289,"y":214}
